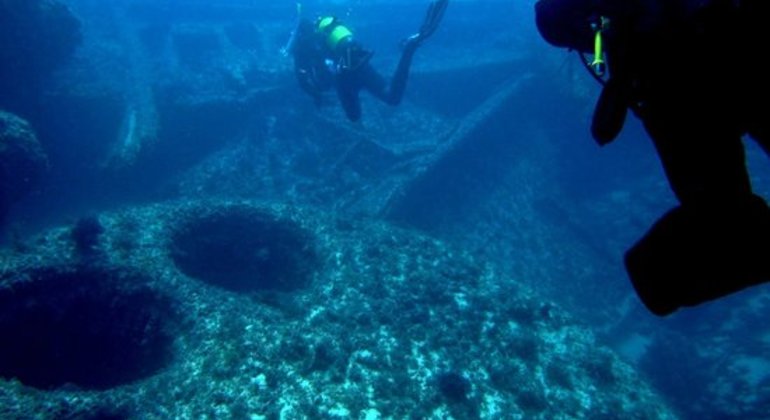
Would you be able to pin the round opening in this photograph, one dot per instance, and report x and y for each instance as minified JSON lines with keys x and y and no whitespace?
{"x":82,"y":327}
{"x":243,"y":251}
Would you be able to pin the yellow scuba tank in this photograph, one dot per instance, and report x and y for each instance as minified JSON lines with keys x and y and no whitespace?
{"x":338,"y":38}
{"x":335,"y":32}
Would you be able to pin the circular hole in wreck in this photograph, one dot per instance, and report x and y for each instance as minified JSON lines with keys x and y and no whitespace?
{"x":92,"y":328}
{"x":245,"y":250}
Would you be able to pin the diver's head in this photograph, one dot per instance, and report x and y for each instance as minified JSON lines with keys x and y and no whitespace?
{"x":567,"y":23}
{"x":305,"y":27}
{"x":325,"y":23}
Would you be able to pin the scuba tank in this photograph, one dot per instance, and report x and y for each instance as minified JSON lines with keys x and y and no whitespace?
{"x":347,"y":54}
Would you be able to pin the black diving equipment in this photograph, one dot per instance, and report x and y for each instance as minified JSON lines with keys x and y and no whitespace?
{"x":694,"y":255}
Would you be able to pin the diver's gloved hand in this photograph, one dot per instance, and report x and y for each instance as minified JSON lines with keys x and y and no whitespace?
{"x":701,"y":253}
{"x":433,"y":18}
{"x":611,"y":109}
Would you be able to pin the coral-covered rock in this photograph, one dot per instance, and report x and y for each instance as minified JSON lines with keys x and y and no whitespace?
{"x":388,"y":323}
{"x":22,"y":160}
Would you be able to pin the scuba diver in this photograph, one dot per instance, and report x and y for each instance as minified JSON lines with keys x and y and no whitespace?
{"x":326,"y":55}
{"x":663,"y":63}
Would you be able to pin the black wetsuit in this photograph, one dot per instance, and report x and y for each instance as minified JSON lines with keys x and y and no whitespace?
{"x":698,"y":79}
{"x":695,"y":73}
{"x":318,"y":68}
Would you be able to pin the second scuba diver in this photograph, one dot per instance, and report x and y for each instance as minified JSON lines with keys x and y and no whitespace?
{"x":326,"y":55}
{"x":663,"y":63}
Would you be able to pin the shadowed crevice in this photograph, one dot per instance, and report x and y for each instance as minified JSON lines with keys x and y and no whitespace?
{"x":91,"y":328}
{"x":244,"y":250}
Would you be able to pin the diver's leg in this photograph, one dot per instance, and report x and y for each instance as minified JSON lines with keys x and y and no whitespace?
{"x":394,"y":92}
{"x":703,"y":162}
{"x":373,"y":82}
{"x":754,"y":15}
{"x":398,"y":82}
{"x":347,"y":92}
{"x":761,"y":135}
{"x":754,"y":105}
{"x":391,"y":93}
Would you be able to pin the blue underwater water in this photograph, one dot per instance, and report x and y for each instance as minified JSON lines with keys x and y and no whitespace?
{"x":459,"y":255}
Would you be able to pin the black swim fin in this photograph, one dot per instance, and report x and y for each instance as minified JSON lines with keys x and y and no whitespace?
{"x":694,"y":255}
{"x":433,"y":18}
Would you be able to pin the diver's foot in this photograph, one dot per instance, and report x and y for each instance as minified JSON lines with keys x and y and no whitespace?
{"x":411,"y":42}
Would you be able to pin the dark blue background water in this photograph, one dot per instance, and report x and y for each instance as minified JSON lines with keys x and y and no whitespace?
{"x":709,"y":362}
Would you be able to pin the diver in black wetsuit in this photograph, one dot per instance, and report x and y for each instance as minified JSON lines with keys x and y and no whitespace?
{"x":327,"y":55}
{"x":694,"y":72}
